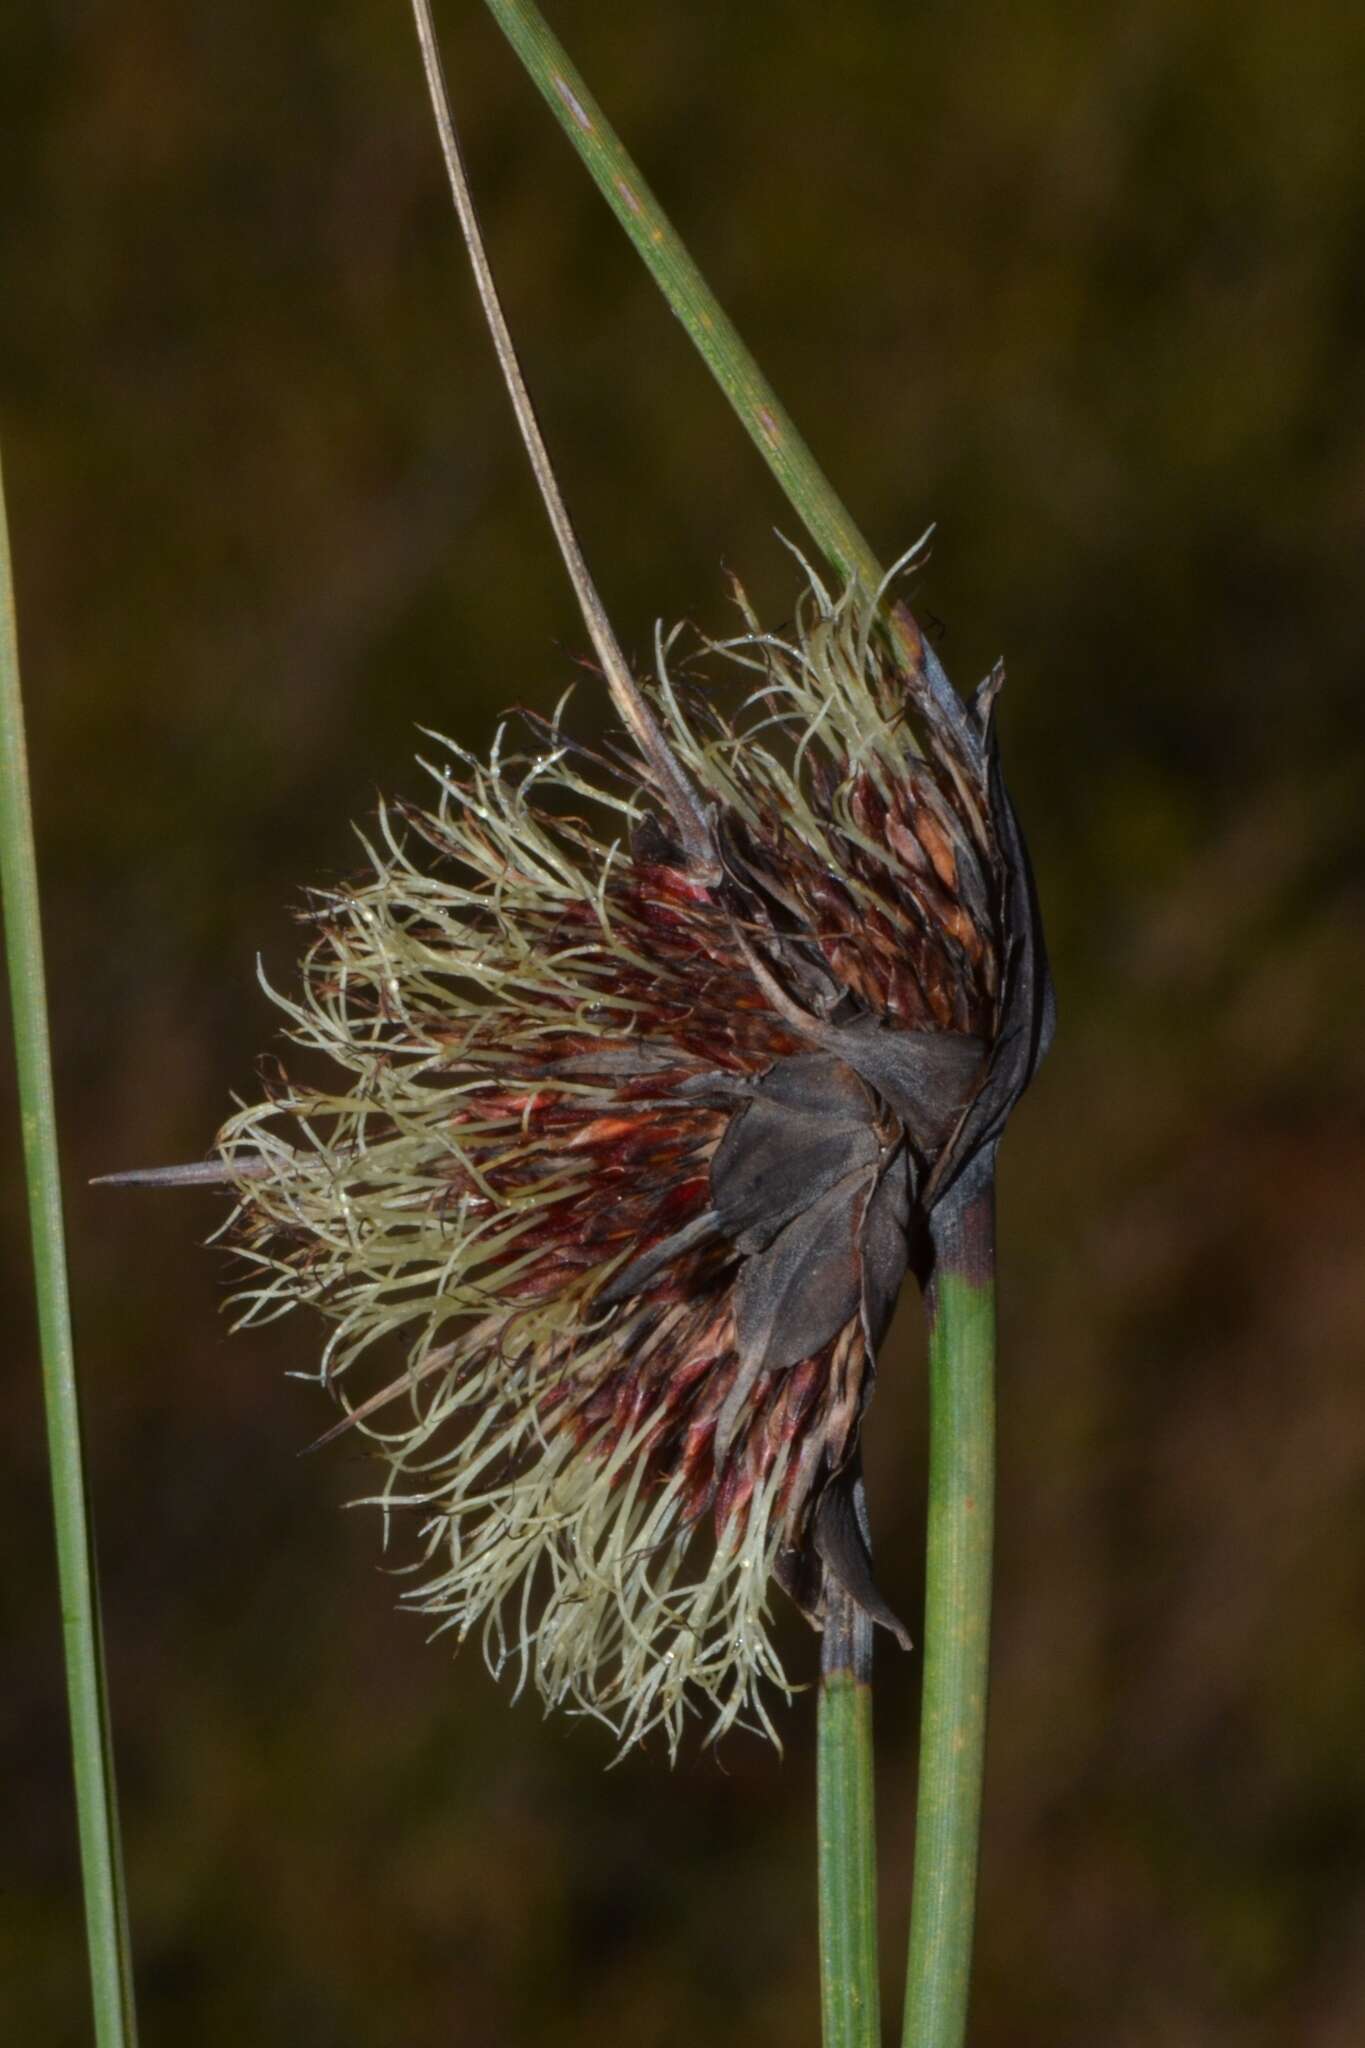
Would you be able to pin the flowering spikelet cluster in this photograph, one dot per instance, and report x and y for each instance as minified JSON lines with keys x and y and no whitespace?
{"x":625,"y":1161}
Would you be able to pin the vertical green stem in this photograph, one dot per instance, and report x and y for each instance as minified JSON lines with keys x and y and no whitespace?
{"x":957,"y":1611}
{"x":105,"y":1909}
{"x":850,"y":1994}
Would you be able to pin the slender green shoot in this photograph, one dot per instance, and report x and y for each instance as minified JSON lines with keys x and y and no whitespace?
{"x":756,"y":405}
{"x":106,"y":1917}
{"x":961,"y":1479}
{"x":849,"y":1989}
{"x":957,"y":1615}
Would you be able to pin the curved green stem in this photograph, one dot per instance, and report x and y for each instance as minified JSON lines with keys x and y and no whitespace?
{"x":850,"y":1996}
{"x":101,"y":1869}
{"x":756,"y":404}
{"x":957,"y":1611}
{"x":962,"y":1295}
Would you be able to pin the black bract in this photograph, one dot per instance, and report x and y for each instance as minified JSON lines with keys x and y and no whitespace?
{"x":834,"y":1162}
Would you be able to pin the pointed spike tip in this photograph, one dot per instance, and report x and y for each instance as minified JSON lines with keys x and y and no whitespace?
{"x":198,"y":1173}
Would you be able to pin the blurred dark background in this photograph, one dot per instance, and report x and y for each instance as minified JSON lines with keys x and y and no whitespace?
{"x":1086,"y":287}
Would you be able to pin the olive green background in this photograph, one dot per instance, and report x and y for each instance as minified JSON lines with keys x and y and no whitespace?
{"x":1084,"y":286}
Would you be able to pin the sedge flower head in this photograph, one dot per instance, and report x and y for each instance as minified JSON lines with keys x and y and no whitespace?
{"x":612,"y":1167}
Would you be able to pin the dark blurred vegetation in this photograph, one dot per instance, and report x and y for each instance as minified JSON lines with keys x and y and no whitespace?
{"x":1085,"y":287}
